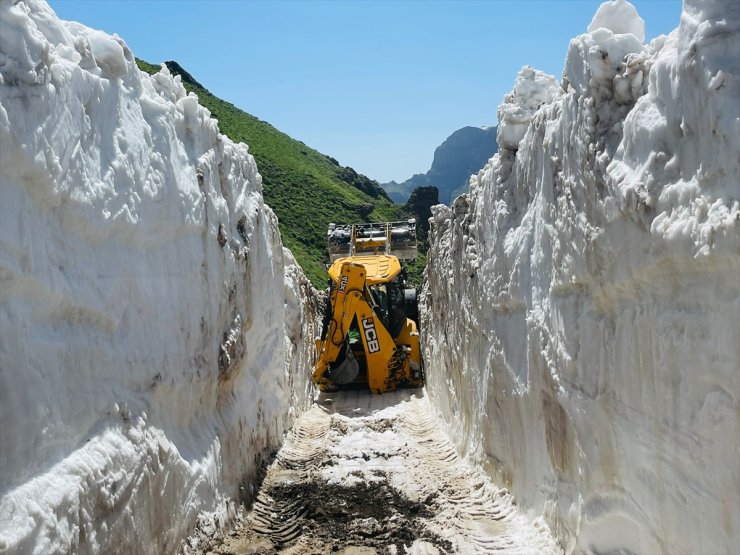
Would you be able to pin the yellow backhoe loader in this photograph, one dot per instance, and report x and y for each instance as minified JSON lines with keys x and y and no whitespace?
{"x":370,"y":331}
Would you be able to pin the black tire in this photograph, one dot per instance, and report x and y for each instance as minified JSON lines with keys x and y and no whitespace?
{"x":411,"y":304}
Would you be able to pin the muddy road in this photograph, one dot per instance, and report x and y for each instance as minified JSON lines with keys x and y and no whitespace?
{"x":361,"y":474}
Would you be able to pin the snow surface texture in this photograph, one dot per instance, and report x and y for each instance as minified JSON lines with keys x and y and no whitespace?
{"x":582,"y":303}
{"x":152,"y":327}
{"x":363,"y":474}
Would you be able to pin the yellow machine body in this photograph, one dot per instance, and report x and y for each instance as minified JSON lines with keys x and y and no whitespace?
{"x":368,"y":337}
{"x":378,"y":268}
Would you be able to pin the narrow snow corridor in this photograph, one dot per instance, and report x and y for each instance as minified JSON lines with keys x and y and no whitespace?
{"x":363,"y":473}
{"x":578,"y":311}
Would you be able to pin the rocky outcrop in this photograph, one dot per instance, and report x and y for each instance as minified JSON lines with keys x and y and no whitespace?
{"x":420,"y":206}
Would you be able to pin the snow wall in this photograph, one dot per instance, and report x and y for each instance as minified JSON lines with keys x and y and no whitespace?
{"x":153,"y":330}
{"x":582,"y":303}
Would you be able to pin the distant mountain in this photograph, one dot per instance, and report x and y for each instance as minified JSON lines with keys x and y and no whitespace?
{"x":463,"y":153}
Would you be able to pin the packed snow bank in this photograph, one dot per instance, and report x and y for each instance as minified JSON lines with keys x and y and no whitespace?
{"x":582,"y":303}
{"x":152,"y":327}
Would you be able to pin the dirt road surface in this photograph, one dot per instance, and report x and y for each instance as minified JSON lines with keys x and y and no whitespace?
{"x":361,"y":474}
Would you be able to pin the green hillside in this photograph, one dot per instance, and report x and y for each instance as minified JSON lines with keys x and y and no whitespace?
{"x":306,"y":189}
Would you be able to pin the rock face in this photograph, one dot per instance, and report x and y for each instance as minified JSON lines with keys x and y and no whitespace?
{"x":420,"y":205}
{"x":154,"y":334}
{"x":582,"y":303}
{"x":463,"y":153}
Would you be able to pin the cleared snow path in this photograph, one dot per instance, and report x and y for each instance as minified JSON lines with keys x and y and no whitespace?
{"x":362,"y":474}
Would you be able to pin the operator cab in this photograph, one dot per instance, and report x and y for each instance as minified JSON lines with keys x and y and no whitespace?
{"x":389,"y":305}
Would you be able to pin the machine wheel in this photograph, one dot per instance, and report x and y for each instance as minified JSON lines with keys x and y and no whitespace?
{"x":411,"y":304}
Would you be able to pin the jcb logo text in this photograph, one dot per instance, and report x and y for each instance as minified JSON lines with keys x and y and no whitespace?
{"x":371,"y":336}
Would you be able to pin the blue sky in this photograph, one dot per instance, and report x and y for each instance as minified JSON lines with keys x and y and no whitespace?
{"x":377,"y":85}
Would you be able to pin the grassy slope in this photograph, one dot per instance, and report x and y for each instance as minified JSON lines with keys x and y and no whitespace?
{"x":306,"y":189}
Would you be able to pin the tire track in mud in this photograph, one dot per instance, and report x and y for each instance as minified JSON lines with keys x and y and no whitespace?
{"x":361,"y":474}
{"x":278,"y":516}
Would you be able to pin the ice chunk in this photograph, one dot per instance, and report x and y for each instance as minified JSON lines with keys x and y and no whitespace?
{"x":109,"y":54}
{"x":532,"y":89}
{"x":595,"y":59}
{"x":620,"y":17}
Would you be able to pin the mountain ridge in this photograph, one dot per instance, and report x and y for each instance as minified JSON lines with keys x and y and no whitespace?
{"x":461,"y":154}
{"x":305,"y":188}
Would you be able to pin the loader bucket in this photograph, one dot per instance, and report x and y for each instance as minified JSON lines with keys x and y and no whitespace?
{"x":394,"y":238}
